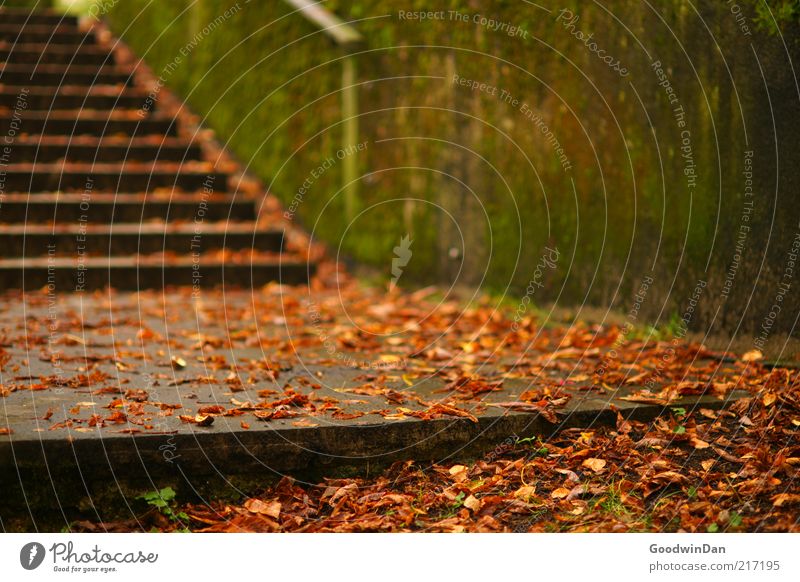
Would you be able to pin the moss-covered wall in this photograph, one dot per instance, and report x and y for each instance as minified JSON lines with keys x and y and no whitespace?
{"x":471,"y":174}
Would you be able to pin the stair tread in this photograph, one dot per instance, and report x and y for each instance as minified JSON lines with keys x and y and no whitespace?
{"x":44,"y":12}
{"x":64,"y":26}
{"x":61,"y":67}
{"x":242,"y":259}
{"x":89,"y":120}
{"x":125,"y":167}
{"x":104,"y":141}
{"x":39,"y":47}
{"x":123,"y":198}
{"x":90,"y":115}
{"x":144,"y":228}
{"x":71,"y":89}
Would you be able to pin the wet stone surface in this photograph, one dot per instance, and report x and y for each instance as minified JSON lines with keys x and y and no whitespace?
{"x":141,"y":384}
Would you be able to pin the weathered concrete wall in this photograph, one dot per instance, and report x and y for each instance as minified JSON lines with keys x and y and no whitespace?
{"x":495,"y":129}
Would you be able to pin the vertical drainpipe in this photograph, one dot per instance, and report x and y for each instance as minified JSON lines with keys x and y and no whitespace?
{"x":350,"y":41}
{"x":349,"y":135}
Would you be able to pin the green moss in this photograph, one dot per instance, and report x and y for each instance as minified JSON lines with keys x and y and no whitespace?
{"x":775,"y":16}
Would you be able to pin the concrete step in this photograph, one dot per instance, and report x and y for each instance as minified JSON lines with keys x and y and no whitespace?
{"x":94,"y":149}
{"x":64,"y":34}
{"x":113,"y":177}
{"x":104,"y":240}
{"x":137,"y":273}
{"x":39,"y":17}
{"x":54,"y":54}
{"x":78,"y":97}
{"x":321,"y":446}
{"x":46,"y":75}
{"x":99,"y":207}
{"x":65,"y":122}
{"x":78,"y":130}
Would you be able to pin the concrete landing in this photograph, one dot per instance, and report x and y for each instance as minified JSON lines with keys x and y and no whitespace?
{"x":150,"y":388}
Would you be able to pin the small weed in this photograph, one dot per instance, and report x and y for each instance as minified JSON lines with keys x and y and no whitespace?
{"x":735,"y":520}
{"x":673,"y":328}
{"x":680,"y":415}
{"x":163,"y":500}
{"x":612,"y":501}
{"x":535,"y":444}
{"x":453,"y":508}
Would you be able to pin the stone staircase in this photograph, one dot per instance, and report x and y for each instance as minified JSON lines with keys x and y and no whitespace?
{"x":100,"y":186}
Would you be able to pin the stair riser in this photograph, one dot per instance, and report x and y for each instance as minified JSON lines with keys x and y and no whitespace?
{"x":105,"y":245}
{"x":67,"y":77}
{"x":72,"y":38}
{"x":47,"y":56}
{"x":36,"y":18}
{"x":79,"y":102}
{"x":80,"y":153}
{"x":113,"y":182}
{"x":60,"y":72}
{"x":152,"y":277}
{"x":96,"y":127}
{"x":105,"y":213}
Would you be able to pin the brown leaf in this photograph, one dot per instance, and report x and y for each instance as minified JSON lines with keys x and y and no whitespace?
{"x":341,"y":415}
{"x":785,"y":499}
{"x":198,"y":419}
{"x":596,"y":465}
{"x":137,"y":395}
{"x":473,"y":503}
{"x":178,"y":363}
{"x":525,"y":492}
{"x":670,"y":477}
{"x":212,"y":409}
{"x":271,"y":509}
{"x":752,"y":356}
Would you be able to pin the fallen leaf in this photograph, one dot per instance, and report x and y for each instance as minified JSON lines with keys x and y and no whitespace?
{"x":596,"y":465}
{"x":525,"y":492}
{"x":198,"y":419}
{"x":271,"y":509}
{"x":178,"y":363}
{"x":785,"y":498}
{"x":211,"y":409}
{"x":473,"y":503}
{"x":752,"y":356}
